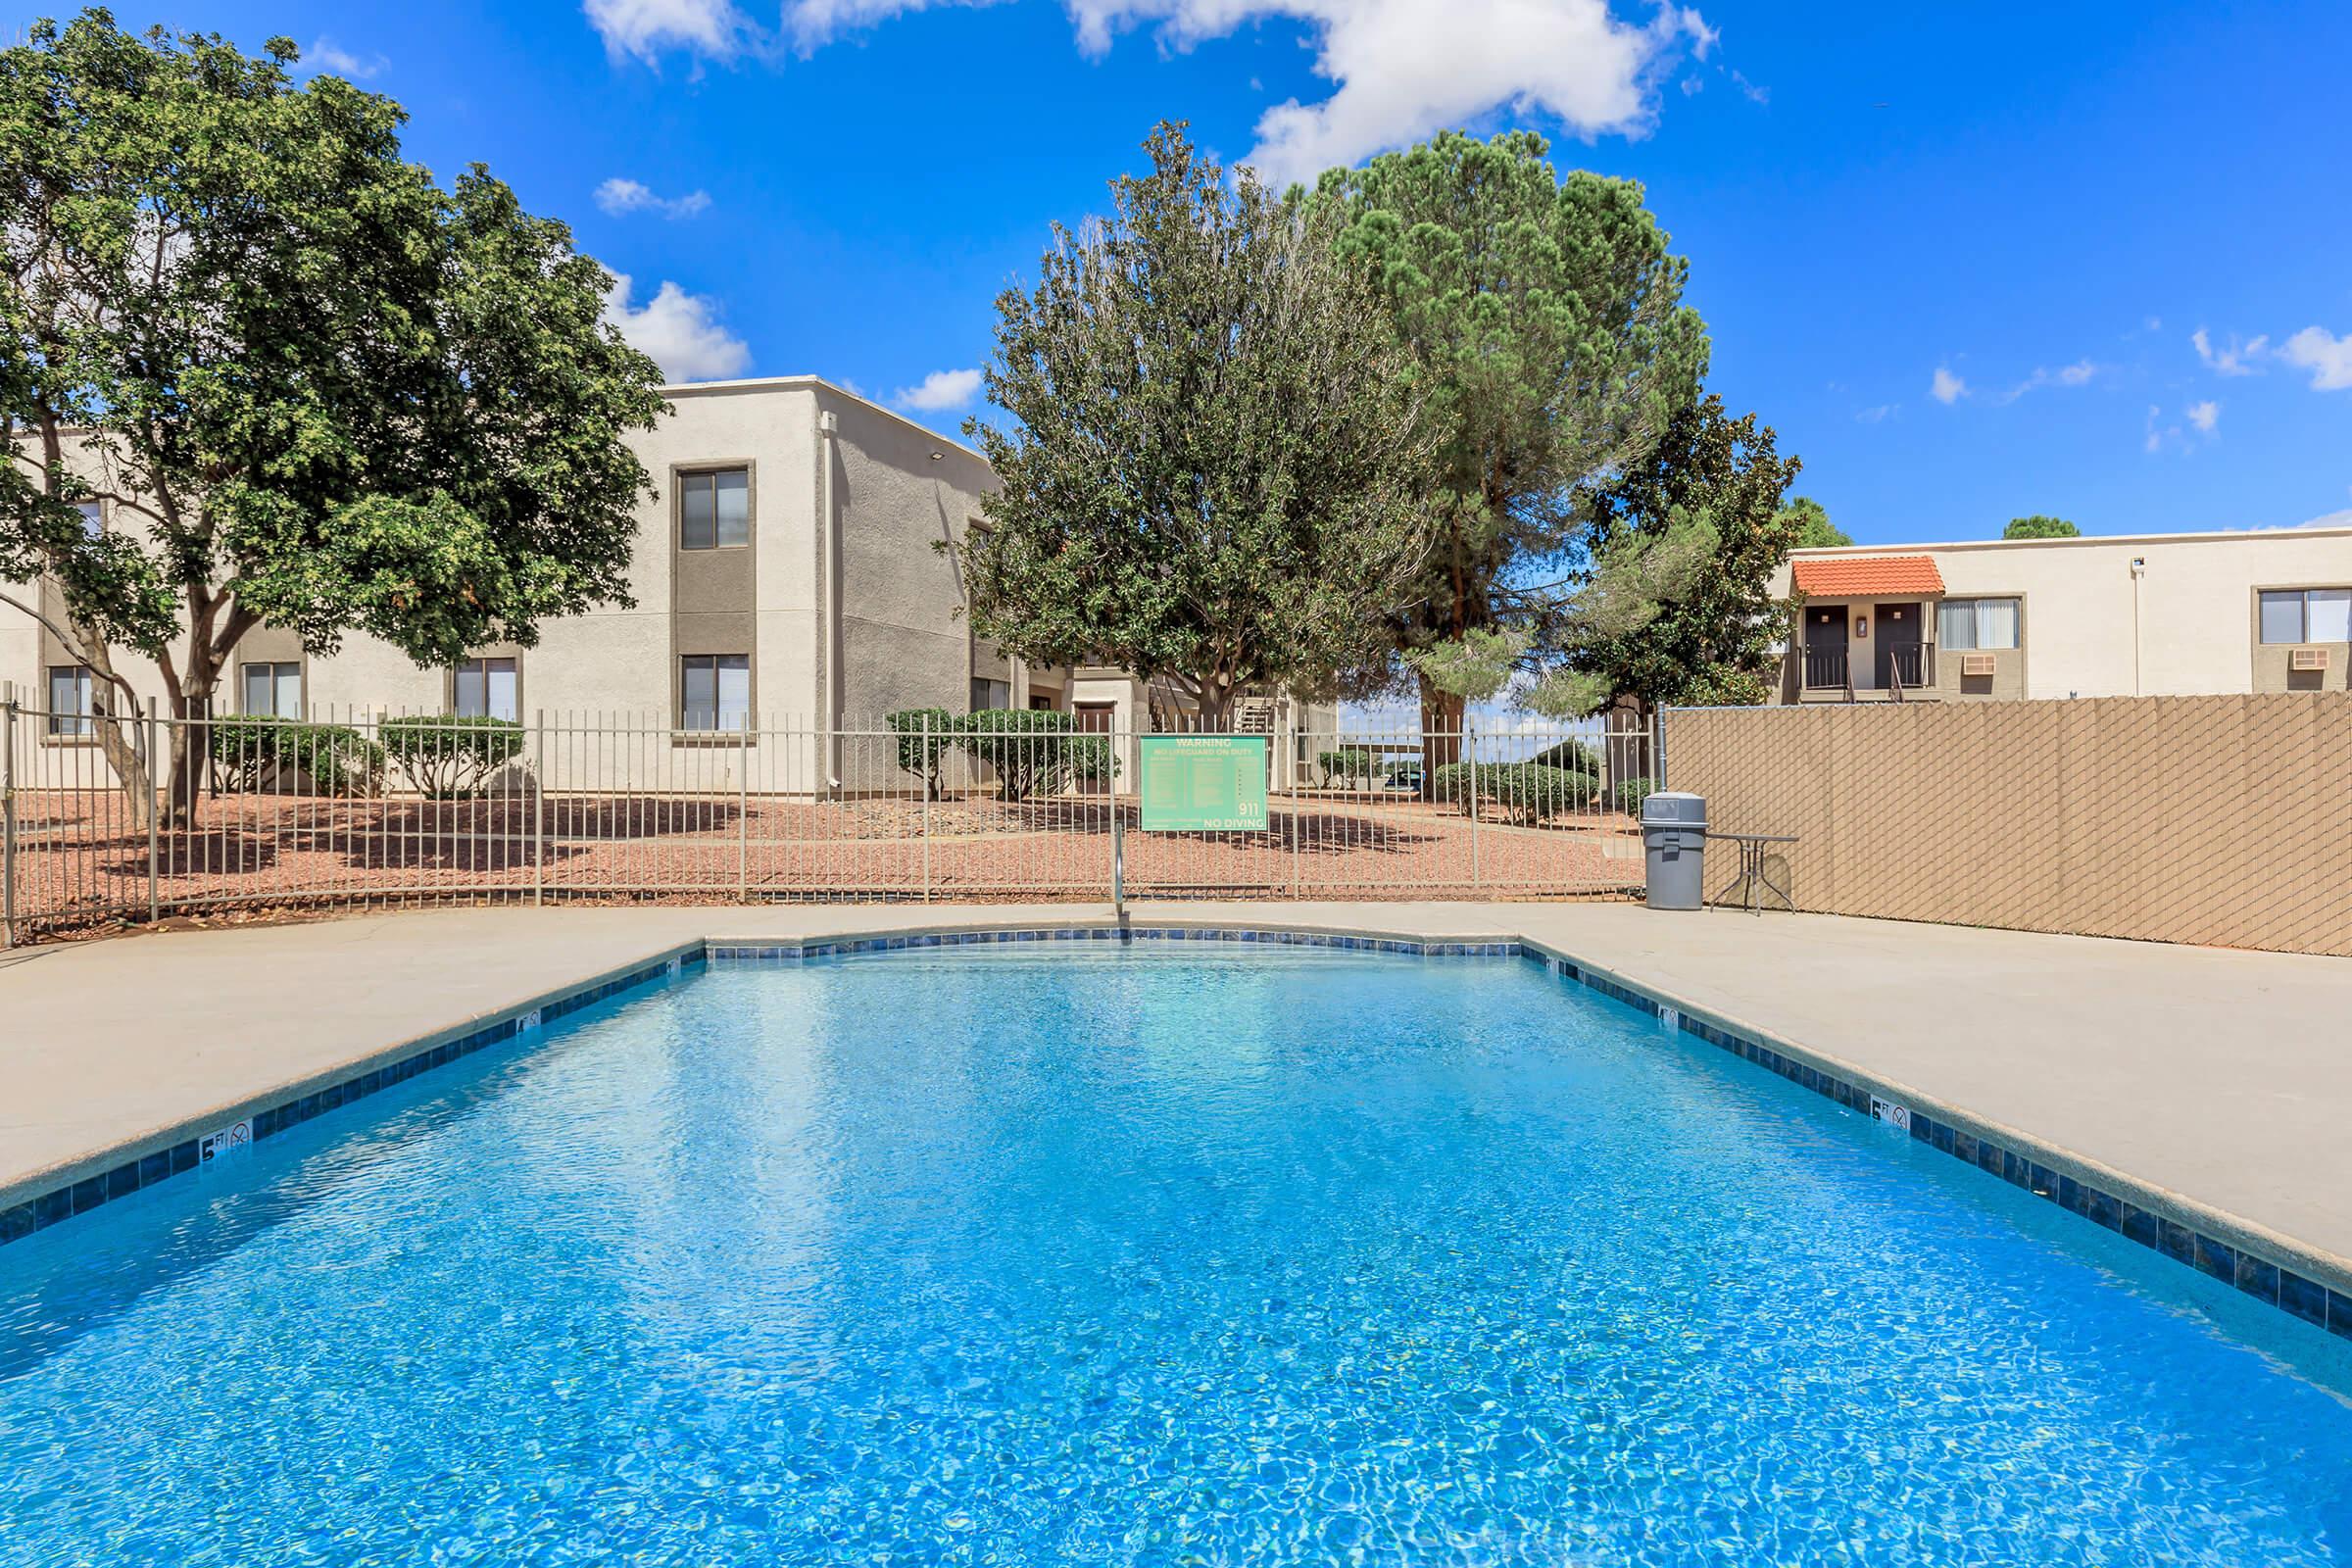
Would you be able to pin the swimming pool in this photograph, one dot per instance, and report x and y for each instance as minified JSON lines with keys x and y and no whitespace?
{"x":1150,"y":1256}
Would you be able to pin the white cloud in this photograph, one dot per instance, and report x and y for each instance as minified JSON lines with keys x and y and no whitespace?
{"x":941,"y":389}
{"x":1874,"y":416}
{"x":680,"y":330}
{"x":2326,"y":355}
{"x":2080,"y":374}
{"x":714,"y":28}
{"x":2233,"y":360}
{"x":1401,"y":68}
{"x":2156,"y":432}
{"x":1946,"y":388}
{"x":2204,"y":416}
{"x":624,"y":196}
{"x":325,"y":56}
{"x":1755,"y":94}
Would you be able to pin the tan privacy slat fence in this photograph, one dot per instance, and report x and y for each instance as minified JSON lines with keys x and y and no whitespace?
{"x":604,"y":806}
{"x":2224,"y":820}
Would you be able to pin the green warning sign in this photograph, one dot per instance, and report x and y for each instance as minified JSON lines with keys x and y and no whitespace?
{"x":1203,"y":783}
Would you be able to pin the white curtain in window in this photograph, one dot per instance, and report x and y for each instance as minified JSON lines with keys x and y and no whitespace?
{"x":734,"y":692}
{"x":1957,"y":623}
{"x":2282,"y":618}
{"x":499,"y":689}
{"x":1996,"y":623}
{"x":2329,"y":615}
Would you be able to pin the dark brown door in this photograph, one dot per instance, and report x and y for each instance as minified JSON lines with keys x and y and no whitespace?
{"x":1825,"y":646}
{"x":1898,"y":643}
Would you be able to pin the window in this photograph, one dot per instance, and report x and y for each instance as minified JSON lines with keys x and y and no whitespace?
{"x":990,"y":693}
{"x":2307,"y":616}
{"x":273,"y":690}
{"x":93,"y":519}
{"x":487,"y":688}
{"x":714,"y":691}
{"x":1972,"y":624}
{"x":70,"y":700}
{"x":714,"y":509}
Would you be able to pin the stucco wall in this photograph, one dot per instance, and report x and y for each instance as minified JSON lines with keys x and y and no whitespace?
{"x":902,"y":492}
{"x":2183,"y":627}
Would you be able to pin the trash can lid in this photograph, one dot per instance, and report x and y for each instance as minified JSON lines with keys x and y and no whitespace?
{"x":1676,"y":806}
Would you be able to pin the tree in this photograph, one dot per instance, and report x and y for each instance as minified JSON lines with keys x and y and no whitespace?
{"x":311,"y":386}
{"x":2038,"y":526}
{"x":1546,"y":338}
{"x":1811,"y":527}
{"x":1214,"y":472}
{"x":1716,"y":641}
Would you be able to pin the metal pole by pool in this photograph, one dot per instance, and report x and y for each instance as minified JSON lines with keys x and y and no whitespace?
{"x":8,"y":825}
{"x":539,"y":810}
{"x":743,"y":813}
{"x":930,"y":767}
{"x":1470,"y":759}
{"x":154,"y":735}
{"x":1118,"y":860}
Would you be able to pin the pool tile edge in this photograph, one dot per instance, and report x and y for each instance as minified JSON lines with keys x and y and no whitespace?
{"x":2307,"y":1283}
{"x":42,"y":1199}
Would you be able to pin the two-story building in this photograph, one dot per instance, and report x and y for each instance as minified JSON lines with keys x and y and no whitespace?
{"x":2148,"y":614}
{"x":796,"y":570}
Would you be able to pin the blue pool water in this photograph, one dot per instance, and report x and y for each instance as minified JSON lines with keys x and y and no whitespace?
{"x":1096,"y":1257}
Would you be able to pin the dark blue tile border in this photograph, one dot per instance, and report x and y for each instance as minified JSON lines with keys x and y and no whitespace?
{"x":45,"y":1210}
{"x":2305,"y":1299}
{"x":844,"y":946}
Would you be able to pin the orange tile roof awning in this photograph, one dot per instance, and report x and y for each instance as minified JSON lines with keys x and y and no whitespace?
{"x":1855,"y":576}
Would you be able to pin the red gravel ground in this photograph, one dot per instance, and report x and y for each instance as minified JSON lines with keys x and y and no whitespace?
{"x":80,"y":860}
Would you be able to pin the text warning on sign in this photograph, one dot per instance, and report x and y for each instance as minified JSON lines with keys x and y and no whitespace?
{"x":1203,"y":783}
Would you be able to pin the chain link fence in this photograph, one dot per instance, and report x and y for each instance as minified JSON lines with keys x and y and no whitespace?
{"x":137,"y":817}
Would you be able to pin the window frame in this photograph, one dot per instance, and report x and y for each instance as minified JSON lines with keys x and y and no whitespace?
{"x":982,"y":685}
{"x":683,"y":477}
{"x":718,"y":727}
{"x":1974,"y":643}
{"x":82,"y":723}
{"x":275,"y":666}
{"x":2301,"y":597}
{"x":485,"y":660}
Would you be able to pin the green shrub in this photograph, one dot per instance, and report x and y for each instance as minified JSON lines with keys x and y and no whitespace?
{"x":1576,"y":757}
{"x":253,"y":754}
{"x":1035,"y":752}
{"x":1529,"y":791}
{"x":1632,"y":792}
{"x":927,"y":735}
{"x":449,"y":757}
{"x":1349,"y":762}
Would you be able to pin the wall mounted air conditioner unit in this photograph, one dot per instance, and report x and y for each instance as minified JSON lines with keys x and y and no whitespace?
{"x":2307,"y":658}
{"x":1975,"y":663}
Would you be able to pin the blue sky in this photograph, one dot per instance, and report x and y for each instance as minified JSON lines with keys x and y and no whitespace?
{"x":1959,"y":258}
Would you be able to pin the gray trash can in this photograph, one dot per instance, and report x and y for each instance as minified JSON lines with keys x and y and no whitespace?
{"x":1674,"y":833}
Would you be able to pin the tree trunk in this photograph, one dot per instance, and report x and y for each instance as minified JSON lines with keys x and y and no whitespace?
{"x":1442,"y":722}
{"x":120,"y":743}
{"x":1216,"y":708}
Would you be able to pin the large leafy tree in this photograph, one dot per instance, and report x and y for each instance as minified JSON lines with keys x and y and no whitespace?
{"x":1715,"y":639}
{"x":312,"y":386}
{"x":1213,"y":474}
{"x":2040,"y":526}
{"x":1813,"y":529}
{"x":1548,"y":342}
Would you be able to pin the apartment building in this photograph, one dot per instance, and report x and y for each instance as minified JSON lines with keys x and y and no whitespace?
{"x":797,"y":571}
{"x":2149,"y":614}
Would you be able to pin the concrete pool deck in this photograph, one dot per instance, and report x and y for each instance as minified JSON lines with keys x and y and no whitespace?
{"x":2219,"y":1079}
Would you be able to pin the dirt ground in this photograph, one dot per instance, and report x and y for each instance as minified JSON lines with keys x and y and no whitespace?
{"x":80,"y":861}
